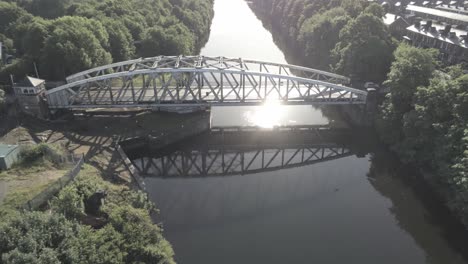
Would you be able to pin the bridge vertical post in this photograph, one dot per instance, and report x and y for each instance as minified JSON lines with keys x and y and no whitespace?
{"x":242,"y":162}
{"x":109,"y":83}
{"x":243,"y":85}
{"x":371,"y":105}
{"x":371,"y":100}
{"x":199,"y":86}
{"x":164,"y":166}
{"x":204,"y":169}
{"x":279,"y":84}
{"x":260,"y":82}
{"x":221,"y":83}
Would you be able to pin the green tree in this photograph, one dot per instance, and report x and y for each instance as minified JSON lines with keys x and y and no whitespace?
{"x":375,"y":10}
{"x":174,"y":40}
{"x":354,"y":7}
{"x":365,"y":49}
{"x":74,"y":44}
{"x":120,"y":40}
{"x":48,"y":8}
{"x":9,"y":13}
{"x":412,"y":68}
{"x":319,"y":35}
{"x":30,"y":34}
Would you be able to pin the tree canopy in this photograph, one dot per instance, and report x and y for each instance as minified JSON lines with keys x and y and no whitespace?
{"x":345,"y":36}
{"x":64,"y":36}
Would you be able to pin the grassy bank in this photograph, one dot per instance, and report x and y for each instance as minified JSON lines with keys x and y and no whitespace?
{"x":32,"y":174}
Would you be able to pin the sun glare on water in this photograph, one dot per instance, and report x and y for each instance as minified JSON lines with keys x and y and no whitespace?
{"x":268,"y":115}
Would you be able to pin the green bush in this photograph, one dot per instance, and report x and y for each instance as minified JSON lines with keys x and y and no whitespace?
{"x":31,"y":154}
{"x":128,"y":236}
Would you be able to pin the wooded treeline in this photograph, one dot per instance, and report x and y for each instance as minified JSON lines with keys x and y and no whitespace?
{"x":63,"y":36}
{"x":424,"y":117}
{"x":344,"y":36}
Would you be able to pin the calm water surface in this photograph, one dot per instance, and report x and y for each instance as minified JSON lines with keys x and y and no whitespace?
{"x":341,"y":210}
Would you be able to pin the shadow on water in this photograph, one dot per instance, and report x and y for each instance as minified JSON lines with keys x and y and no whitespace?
{"x":418,"y":209}
{"x":243,"y":150}
{"x":224,"y":155}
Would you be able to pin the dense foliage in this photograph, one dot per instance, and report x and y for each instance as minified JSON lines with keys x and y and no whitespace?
{"x":425,"y":121}
{"x":423,"y":118}
{"x":59,"y":236}
{"x":2,"y":101}
{"x":64,"y":36}
{"x":347,"y":36}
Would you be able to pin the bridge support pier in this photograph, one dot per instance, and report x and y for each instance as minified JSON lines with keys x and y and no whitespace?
{"x":371,"y":100}
{"x":371,"y":104}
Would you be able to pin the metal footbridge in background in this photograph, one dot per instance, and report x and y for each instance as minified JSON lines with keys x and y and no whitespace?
{"x":200,"y":81}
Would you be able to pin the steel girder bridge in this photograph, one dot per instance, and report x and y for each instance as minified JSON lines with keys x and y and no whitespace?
{"x":200,"y":81}
{"x":228,"y":152}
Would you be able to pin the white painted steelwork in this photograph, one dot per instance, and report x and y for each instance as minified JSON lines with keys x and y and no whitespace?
{"x":200,"y":81}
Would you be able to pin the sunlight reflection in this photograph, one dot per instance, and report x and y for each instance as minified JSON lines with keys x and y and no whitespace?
{"x":268,"y":115}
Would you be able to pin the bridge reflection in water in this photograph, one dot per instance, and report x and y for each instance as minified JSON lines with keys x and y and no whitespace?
{"x":242,"y":150}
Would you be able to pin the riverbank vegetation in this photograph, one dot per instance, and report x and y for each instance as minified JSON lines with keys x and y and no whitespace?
{"x":345,"y":36}
{"x":63,"y":37}
{"x":74,"y":230}
{"x":423,"y":118}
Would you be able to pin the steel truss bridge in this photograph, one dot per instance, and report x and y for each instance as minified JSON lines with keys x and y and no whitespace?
{"x":231,"y":152}
{"x":200,"y":81}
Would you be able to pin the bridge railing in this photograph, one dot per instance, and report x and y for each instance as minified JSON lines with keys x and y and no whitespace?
{"x":199,"y":62}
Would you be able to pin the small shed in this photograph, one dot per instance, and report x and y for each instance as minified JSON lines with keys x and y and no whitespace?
{"x":8,"y":156}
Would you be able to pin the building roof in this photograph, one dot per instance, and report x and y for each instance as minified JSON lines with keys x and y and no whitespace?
{"x":392,"y":19}
{"x":389,"y":18}
{"x":439,"y":13}
{"x":5,"y":150}
{"x":453,"y":9}
{"x":436,"y":34}
{"x":30,"y":82}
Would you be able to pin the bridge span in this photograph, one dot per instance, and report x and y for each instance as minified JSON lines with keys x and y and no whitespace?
{"x":200,"y":81}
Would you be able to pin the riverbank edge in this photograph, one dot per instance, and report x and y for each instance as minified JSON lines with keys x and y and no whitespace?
{"x":291,"y":49}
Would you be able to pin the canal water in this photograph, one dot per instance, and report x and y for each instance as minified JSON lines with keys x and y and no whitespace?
{"x":303,"y":198}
